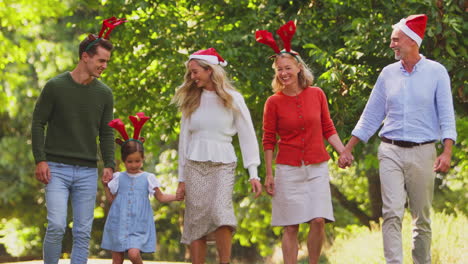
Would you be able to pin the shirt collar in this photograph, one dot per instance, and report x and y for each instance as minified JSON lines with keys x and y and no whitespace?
{"x":418,"y":65}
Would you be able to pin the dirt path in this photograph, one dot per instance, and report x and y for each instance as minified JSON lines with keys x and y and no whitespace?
{"x":94,"y":261}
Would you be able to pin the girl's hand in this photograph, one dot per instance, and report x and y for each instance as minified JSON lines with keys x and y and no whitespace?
{"x":105,"y":183}
{"x":256,"y":187}
{"x":180,"y":193}
{"x":270,"y":185}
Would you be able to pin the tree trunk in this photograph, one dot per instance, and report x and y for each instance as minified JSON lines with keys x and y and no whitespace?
{"x":350,"y":205}
{"x":375,"y":196}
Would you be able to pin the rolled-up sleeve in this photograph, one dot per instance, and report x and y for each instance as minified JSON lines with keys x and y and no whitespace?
{"x":373,"y":114}
{"x":444,"y":104}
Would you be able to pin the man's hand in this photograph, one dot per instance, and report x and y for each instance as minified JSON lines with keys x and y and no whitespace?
{"x":256,"y":187}
{"x":107,"y":175}
{"x":42,"y":172}
{"x":442,"y":163}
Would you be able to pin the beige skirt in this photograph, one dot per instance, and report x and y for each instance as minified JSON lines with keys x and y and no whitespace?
{"x":301,"y":194}
{"x":208,"y":199}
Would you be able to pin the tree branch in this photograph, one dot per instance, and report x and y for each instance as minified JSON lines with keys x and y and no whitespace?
{"x":351,"y":206}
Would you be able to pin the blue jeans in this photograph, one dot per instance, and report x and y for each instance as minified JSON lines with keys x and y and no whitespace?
{"x":80,"y":184}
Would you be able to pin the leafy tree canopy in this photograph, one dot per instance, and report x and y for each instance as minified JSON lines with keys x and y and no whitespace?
{"x":344,"y":42}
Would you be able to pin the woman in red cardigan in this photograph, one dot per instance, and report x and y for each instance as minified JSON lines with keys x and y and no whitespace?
{"x":298,"y":114}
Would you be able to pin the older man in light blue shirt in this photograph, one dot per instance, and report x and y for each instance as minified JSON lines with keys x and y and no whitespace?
{"x":413,"y":100}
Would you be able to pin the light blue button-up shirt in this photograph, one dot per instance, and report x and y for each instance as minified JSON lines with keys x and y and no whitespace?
{"x":414,"y":106}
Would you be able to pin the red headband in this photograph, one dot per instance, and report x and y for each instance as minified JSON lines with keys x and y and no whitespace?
{"x":110,"y":24}
{"x":138,"y":121}
{"x":286,"y":33}
{"x":107,"y":25}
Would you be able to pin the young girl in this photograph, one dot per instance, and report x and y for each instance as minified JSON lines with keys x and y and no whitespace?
{"x":130,"y":226}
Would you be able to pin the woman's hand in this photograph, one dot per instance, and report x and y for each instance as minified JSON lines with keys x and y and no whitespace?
{"x":270,"y":185}
{"x":256,"y":187}
{"x":180,"y":193}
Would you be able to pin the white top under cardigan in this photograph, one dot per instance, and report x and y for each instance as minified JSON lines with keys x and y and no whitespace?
{"x":207,"y":134}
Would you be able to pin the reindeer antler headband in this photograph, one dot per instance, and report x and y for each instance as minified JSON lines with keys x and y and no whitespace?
{"x":286,"y":33}
{"x":138,"y":121}
{"x":107,"y":26}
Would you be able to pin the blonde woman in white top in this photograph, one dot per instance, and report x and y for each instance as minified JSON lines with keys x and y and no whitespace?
{"x":212,"y":113}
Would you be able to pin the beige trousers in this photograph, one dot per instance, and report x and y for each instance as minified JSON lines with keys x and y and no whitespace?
{"x":407,"y":174}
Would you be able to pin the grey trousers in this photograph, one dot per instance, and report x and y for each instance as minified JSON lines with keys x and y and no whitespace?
{"x":407,"y":173}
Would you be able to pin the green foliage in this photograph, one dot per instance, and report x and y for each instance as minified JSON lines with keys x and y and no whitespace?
{"x":344,"y":42}
{"x":451,"y":193}
{"x":20,"y":239}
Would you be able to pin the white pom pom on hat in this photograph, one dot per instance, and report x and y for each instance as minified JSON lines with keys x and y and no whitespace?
{"x":210,"y":55}
{"x":413,"y":26}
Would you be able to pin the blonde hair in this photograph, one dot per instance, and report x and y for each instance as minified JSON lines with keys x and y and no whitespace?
{"x":187,"y":96}
{"x":304,"y":77}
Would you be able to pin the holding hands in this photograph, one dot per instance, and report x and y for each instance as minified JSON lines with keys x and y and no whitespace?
{"x":346,"y":159}
{"x":107,"y":174}
{"x":180,"y":193}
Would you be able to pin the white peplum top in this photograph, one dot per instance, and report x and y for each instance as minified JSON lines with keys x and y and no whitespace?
{"x":207,"y":134}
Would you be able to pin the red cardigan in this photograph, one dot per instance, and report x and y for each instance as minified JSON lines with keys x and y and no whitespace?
{"x":302,"y":122}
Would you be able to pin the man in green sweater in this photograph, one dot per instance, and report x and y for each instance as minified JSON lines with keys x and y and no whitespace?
{"x":70,"y":115}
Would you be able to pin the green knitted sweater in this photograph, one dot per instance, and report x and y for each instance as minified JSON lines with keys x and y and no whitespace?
{"x":68,"y":120}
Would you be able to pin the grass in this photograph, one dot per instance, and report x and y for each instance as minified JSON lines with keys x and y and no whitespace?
{"x":357,"y":244}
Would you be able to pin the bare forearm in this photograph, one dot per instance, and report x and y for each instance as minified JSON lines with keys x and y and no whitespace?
{"x":109,"y":196}
{"x":268,"y":154}
{"x":442,"y":162}
{"x":351,"y":143}
{"x":162,"y":197}
{"x":166,"y":198}
{"x":448,"y":143}
{"x":335,"y":141}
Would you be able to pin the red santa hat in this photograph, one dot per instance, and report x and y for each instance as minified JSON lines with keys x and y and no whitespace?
{"x":413,"y":26}
{"x":210,"y":55}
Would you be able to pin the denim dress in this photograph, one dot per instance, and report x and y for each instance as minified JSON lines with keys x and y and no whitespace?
{"x":130,"y":221}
